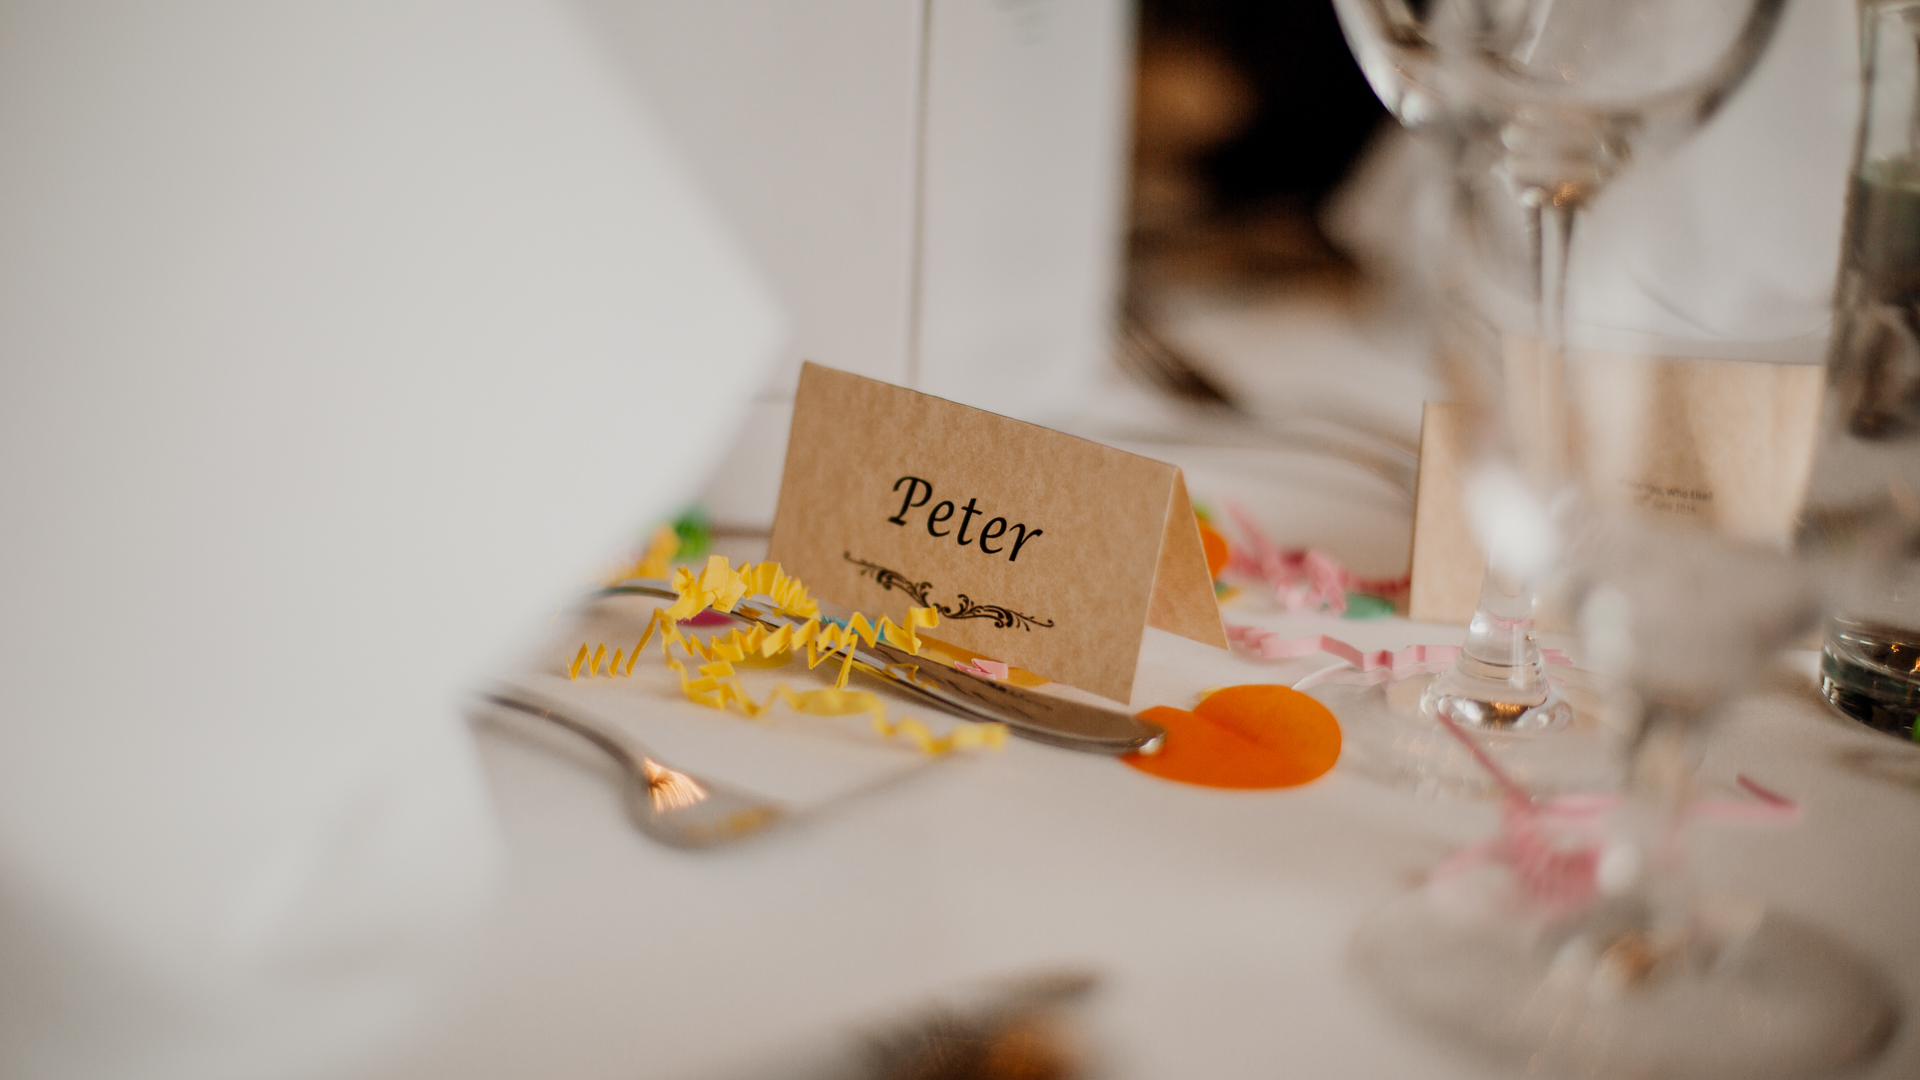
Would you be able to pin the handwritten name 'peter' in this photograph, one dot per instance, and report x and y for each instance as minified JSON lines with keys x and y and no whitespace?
{"x":920,"y":493}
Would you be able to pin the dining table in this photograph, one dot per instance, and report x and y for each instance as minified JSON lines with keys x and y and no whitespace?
{"x":1215,"y":927}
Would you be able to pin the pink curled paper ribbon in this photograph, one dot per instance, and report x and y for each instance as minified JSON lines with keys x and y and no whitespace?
{"x":1553,"y":845}
{"x":1300,"y":577}
{"x":1275,"y":647}
{"x":983,"y":667}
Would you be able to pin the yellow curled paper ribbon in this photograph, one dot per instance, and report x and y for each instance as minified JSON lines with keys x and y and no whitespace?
{"x":720,"y":587}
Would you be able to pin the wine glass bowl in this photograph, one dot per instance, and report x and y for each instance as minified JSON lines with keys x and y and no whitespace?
{"x":1551,"y":100}
{"x":1562,"y":96}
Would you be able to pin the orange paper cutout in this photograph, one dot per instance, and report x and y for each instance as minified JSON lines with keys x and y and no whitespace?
{"x":1216,"y":547}
{"x":1244,"y":737}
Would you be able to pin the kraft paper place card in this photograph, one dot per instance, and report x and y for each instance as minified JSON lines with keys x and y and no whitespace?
{"x":1039,"y":549}
{"x":1727,"y":444}
{"x":1447,"y":562}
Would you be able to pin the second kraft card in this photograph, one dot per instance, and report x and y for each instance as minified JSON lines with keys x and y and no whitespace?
{"x":1039,"y":549}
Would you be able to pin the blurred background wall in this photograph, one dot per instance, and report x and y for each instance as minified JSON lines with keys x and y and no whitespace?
{"x":1247,"y":116}
{"x":935,"y":189}
{"x":942,"y":191}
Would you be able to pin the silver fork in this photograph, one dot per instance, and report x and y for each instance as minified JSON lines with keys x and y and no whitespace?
{"x":672,"y":806}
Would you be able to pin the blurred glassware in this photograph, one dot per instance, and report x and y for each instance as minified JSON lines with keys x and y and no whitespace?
{"x":1578,"y":942}
{"x":1864,"y":500}
{"x":1554,"y":100}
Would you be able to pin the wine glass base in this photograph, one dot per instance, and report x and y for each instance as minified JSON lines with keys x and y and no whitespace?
{"x":1487,"y":713}
{"x":1772,"y":997}
{"x":1386,"y":736}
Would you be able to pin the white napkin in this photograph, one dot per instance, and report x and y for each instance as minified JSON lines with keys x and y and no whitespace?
{"x":1729,"y":247}
{"x":338,"y":343}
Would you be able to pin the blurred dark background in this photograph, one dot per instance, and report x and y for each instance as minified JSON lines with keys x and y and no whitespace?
{"x":1248,"y":114}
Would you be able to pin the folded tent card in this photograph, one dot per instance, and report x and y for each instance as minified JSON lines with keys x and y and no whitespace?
{"x":1038,"y":549}
{"x":1724,"y":444}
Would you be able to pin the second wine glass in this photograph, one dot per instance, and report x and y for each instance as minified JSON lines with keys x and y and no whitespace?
{"x":1537,"y":106}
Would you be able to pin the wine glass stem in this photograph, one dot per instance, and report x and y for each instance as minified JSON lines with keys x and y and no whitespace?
{"x":1550,"y":231}
{"x":1660,"y":773}
{"x":1500,"y":679}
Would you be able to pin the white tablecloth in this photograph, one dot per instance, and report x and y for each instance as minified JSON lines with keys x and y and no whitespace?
{"x":1219,"y":919}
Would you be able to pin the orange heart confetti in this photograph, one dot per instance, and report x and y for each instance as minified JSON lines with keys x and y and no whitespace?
{"x":1244,"y":737}
{"x":1216,"y":548}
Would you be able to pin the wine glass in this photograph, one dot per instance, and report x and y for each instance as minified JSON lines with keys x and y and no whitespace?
{"x":1577,"y":942}
{"x":1538,"y":105}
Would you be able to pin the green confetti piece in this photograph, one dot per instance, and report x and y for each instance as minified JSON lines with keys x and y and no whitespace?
{"x":1367,"y":606}
{"x":1916,"y":727}
{"x":695,"y":532}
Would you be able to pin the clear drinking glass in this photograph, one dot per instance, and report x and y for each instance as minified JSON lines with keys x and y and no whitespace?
{"x":1864,"y":500}
{"x":1549,"y":100}
{"x":1577,"y":942}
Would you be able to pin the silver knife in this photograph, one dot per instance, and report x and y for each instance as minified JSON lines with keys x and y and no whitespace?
{"x":1041,"y":717}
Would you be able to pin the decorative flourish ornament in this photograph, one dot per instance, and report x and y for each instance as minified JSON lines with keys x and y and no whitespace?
{"x":967,"y":609}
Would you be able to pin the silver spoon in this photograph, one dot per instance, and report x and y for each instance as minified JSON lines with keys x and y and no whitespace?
{"x":668,"y":804}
